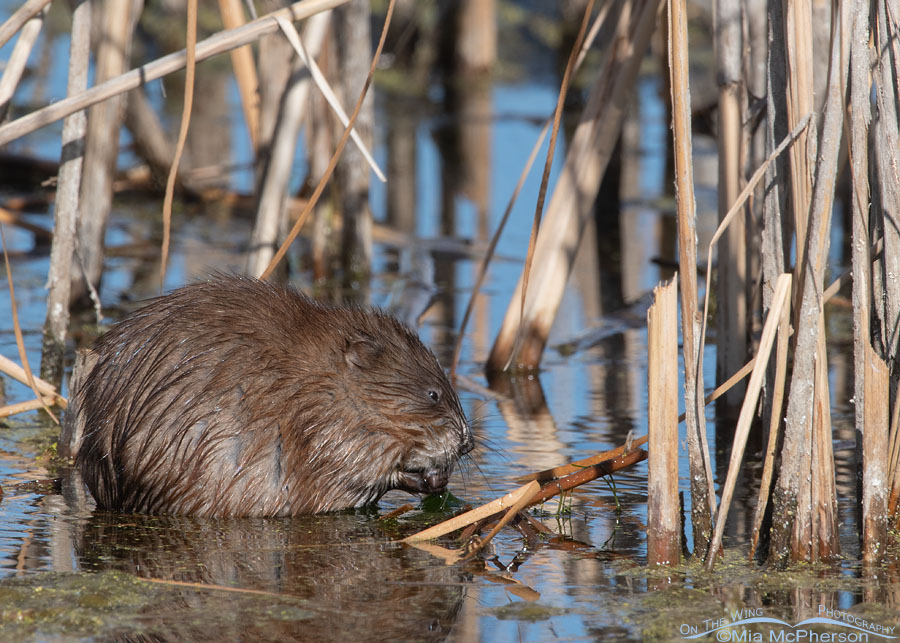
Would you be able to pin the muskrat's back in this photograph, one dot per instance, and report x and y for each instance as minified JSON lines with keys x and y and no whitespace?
{"x":238,"y":397}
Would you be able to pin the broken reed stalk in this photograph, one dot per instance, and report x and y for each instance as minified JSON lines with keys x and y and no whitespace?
{"x":232,"y":13}
{"x":589,"y":473}
{"x":575,"y":192}
{"x":663,"y":508}
{"x":875,"y":457}
{"x":214,"y":45}
{"x":66,"y":202}
{"x":701,"y":482}
{"x":780,"y":300}
{"x":542,"y":494}
{"x":320,"y":187}
{"x":190,"y":72}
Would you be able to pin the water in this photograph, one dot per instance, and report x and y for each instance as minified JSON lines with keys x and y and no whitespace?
{"x":68,"y":572}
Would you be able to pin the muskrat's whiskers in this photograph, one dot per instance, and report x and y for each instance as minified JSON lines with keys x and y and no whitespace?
{"x":474,"y":463}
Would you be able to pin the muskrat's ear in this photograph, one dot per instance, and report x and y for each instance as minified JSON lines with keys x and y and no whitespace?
{"x":362,"y":350}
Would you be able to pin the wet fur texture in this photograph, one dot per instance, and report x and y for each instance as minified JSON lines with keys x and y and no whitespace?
{"x":235,"y":397}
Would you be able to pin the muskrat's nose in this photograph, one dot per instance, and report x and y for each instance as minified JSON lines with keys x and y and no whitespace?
{"x":436,"y":479}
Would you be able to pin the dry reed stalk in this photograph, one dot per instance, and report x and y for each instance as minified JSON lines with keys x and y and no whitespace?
{"x":775,"y":228}
{"x":573,"y":197}
{"x":731,"y":348}
{"x":887,"y":155}
{"x":244,"y":70}
{"x":18,"y":19}
{"x":799,"y":61}
{"x":318,"y":149}
{"x":17,"y":330}
{"x":663,"y":509}
{"x":351,"y":24}
{"x":271,"y":211}
{"x":542,"y":494}
{"x":765,"y":485}
{"x":824,"y":489}
{"x":24,"y":407}
{"x":190,"y":73}
{"x":545,"y":177}
{"x":67,"y":200}
{"x":875,"y":458}
{"x":735,"y":210}
{"x":331,"y":98}
{"x":518,"y":506}
{"x":101,"y":151}
{"x":484,"y":511}
{"x":588,"y":474}
{"x":492,"y":246}
{"x":476,"y":37}
{"x":15,"y":65}
{"x":209,"y":587}
{"x":805,"y":524}
{"x":894,"y":462}
{"x":214,"y":45}
{"x":573,"y":467}
{"x":748,"y":411}
{"x":702,"y":490}
{"x":18,"y":373}
{"x":320,"y":187}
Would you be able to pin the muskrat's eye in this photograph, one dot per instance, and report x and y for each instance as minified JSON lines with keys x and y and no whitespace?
{"x":435,"y":395}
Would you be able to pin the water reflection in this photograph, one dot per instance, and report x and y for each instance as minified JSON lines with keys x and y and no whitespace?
{"x":340,"y":572}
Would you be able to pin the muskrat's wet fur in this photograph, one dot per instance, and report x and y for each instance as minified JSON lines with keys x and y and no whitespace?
{"x":235,"y":397}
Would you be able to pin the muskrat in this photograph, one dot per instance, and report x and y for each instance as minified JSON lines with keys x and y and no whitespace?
{"x":237,"y":397}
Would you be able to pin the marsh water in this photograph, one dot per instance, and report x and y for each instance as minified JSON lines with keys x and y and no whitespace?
{"x":454,"y":153}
